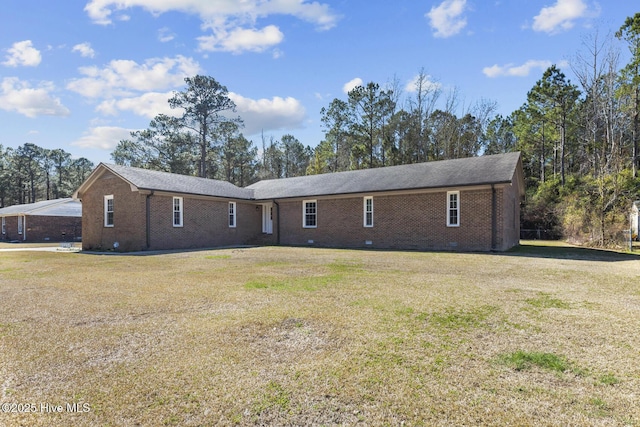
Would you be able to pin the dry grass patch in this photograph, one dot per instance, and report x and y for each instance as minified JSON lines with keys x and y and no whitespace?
{"x":299,"y":336}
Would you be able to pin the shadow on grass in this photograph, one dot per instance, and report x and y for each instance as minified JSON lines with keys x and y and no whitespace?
{"x":166,"y":251}
{"x":531,"y":249}
{"x":555,"y":250}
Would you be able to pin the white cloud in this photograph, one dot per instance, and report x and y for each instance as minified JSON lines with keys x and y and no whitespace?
{"x":165,"y":35}
{"x":23,"y":53}
{"x":351,"y":84}
{"x":511,"y":70}
{"x":446,"y":19}
{"x":560,"y":16}
{"x":103,"y":137}
{"x":100,"y":11}
{"x":258,"y":114}
{"x":19,"y":96}
{"x":148,"y":105}
{"x":126,"y":77}
{"x":268,"y":114}
{"x":231,"y":22}
{"x":239,"y":40}
{"x":427,"y":85}
{"x":84,"y":49}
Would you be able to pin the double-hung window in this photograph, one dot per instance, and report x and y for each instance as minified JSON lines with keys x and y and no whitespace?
{"x":453,"y":209}
{"x":232,"y":214}
{"x":309,"y":214}
{"x":4,"y":226}
{"x":368,"y":212}
{"x":20,"y":222}
{"x":177,"y":211}
{"x":108,"y":210}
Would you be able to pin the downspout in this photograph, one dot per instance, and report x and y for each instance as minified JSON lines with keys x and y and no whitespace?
{"x":277,"y":221}
{"x":24,"y":228}
{"x":494,"y":219}
{"x":148,"y":207}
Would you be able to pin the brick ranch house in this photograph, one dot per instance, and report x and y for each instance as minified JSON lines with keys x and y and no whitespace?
{"x":49,"y":220}
{"x":470,"y":204}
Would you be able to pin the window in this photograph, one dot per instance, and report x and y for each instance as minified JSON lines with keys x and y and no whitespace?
{"x":177,"y":211}
{"x":20,"y":219}
{"x":309,"y":214}
{"x":108,"y":210}
{"x":368,"y":212}
{"x":453,"y":209}
{"x":4,"y":226}
{"x":232,"y":214}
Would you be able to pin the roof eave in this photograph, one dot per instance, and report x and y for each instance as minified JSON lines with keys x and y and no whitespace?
{"x":393,"y":190}
{"x":186,"y":193}
{"x":94,"y":176}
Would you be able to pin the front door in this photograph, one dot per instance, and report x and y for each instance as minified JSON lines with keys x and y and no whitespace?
{"x":267,"y":218}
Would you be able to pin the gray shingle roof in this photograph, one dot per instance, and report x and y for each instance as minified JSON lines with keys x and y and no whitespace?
{"x":56,"y":207}
{"x":492,"y":169}
{"x":495,"y":169}
{"x":146,"y":179}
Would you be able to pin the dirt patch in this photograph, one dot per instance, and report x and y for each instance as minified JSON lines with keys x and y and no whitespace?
{"x":292,"y":339}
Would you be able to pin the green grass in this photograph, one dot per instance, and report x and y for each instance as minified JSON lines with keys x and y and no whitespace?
{"x":311,"y":283}
{"x":274,"y":397}
{"x":609,"y":379}
{"x":455,"y":319}
{"x":547,"y":301}
{"x":522,"y":360}
{"x":301,"y":336}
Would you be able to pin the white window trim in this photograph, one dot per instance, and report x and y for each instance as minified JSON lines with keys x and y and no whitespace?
{"x":364,"y":208}
{"x":304,"y":214}
{"x":232,"y":214}
{"x":457,"y":209}
{"x":173,"y":211}
{"x":4,"y":226}
{"x":106,"y":198}
{"x":20,"y":224}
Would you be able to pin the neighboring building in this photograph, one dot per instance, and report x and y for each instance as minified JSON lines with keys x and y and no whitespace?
{"x":470,"y":204}
{"x":49,"y":220}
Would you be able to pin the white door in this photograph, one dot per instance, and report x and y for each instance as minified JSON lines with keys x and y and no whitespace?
{"x":267,"y":218}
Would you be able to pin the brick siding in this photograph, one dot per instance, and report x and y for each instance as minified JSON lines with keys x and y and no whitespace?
{"x":11,"y":228}
{"x":43,"y":228}
{"x":205,"y":220}
{"x":410,"y":221}
{"x":400,"y":221}
{"x":205,"y":223}
{"x":129,"y":216}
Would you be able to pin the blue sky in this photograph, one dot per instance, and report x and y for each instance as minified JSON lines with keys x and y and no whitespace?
{"x":80,"y":75}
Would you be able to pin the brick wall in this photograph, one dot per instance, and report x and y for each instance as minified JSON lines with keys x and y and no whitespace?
{"x":44,"y":228}
{"x":411,"y":221}
{"x":205,"y":223}
{"x":11,"y":228}
{"x":53,"y":228}
{"x":129,"y":216}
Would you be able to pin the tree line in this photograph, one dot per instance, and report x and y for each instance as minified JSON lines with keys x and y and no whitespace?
{"x":367,"y":130}
{"x":31,"y":173}
{"x":206,"y":140}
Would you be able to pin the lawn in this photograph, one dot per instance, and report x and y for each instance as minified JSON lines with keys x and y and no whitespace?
{"x":303,"y":336}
